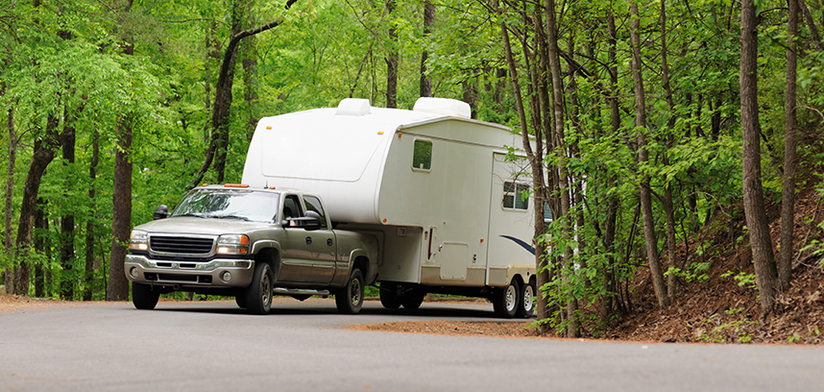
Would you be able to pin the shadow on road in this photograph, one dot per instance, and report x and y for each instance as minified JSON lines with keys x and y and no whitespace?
{"x":427,"y":310}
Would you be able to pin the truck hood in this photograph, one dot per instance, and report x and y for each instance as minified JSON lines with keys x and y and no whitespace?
{"x":206,"y":226}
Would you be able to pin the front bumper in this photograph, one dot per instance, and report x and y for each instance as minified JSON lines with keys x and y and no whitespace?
{"x":189,"y":274}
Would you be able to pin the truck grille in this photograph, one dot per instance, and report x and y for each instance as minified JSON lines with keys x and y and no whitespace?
{"x":187,"y":245}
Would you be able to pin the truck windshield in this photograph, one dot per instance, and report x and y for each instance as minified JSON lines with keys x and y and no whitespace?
{"x":229,"y":204}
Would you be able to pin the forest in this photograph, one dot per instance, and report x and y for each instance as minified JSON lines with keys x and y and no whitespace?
{"x":649,"y":126}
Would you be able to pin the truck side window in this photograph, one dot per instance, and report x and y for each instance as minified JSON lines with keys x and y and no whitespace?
{"x":516,"y":196}
{"x":422,"y":155}
{"x":313,"y":204}
{"x":291,"y":207}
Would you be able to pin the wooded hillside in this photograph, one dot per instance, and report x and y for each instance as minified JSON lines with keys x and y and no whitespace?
{"x":655,"y":125}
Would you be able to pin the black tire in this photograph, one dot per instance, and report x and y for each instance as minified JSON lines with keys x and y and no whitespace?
{"x":412,"y":300}
{"x":505,"y":301}
{"x":259,"y":293}
{"x":144,"y":297}
{"x":240,"y":300}
{"x":389,"y":296}
{"x":349,"y":299}
{"x":526,"y":301}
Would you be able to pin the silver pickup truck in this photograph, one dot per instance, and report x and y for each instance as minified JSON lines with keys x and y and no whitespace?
{"x":251,"y":244}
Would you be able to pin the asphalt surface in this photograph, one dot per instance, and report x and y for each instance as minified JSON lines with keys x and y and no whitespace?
{"x":214,"y":346}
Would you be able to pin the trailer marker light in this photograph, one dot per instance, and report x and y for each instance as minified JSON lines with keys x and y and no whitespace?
{"x":400,"y":134}
{"x":235,"y":185}
{"x":268,"y":127}
{"x":380,"y":132}
{"x":482,"y":240}
{"x":384,"y":220}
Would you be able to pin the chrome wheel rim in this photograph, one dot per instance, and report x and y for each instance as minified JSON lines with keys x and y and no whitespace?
{"x":355,"y":292}
{"x":510,"y":298}
{"x":266,"y":289}
{"x":528,"y":294}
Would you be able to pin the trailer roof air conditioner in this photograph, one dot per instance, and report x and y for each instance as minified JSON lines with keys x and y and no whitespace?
{"x":445,"y":106}
{"x":354,"y":107}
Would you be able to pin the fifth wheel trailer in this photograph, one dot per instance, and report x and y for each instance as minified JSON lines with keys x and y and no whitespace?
{"x":451,"y":211}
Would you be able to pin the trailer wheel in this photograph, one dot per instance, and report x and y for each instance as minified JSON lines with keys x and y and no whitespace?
{"x":143,"y":297}
{"x":526,"y":302}
{"x":505,"y":302}
{"x":259,"y":293}
{"x":349,"y":299}
{"x":412,"y":300}
{"x":389,"y":296}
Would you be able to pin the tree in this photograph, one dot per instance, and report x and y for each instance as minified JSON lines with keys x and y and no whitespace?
{"x":223,"y":97}
{"x":645,"y":190}
{"x":788,"y":193}
{"x":756,"y":215}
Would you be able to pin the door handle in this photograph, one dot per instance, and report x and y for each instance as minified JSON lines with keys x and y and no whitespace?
{"x":308,"y":240}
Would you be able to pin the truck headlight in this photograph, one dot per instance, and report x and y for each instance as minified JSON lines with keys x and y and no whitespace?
{"x":233,"y":244}
{"x":139,"y":240}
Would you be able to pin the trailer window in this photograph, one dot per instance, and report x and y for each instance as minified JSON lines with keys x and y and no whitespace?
{"x":422,"y":156}
{"x":516,"y":196}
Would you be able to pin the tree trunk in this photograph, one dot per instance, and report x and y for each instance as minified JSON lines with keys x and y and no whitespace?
{"x":248,"y":58}
{"x":667,"y":198}
{"x":67,"y":222}
{"x":816,"y":36}
{"x":756,"y":215}
{"x":428,"y":20}
{"x":90,"y":223}
{"x":44,"y":148}
{"x":645,"y":191}
{"x":118,"y":288}
{"x":788,"y":193}
{"x":41,"y":245}
{"x":8,"y":239}
{"x":392,"y":60}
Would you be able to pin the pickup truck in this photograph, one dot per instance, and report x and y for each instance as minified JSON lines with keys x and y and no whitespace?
{"x":234,"y":240}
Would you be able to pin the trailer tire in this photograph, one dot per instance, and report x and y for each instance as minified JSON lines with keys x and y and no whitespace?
{"x":389,"y":296}
{"x":505,"y":301}
{"x":349,"y":299}
{"x":526,"y":302}
{"x":143,"y":297}
{"x":412,"y":300}
{"x":259,"y":293}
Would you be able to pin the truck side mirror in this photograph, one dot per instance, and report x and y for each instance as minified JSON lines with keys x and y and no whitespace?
{"x":309,"y":222}
{"x":162,"y":212}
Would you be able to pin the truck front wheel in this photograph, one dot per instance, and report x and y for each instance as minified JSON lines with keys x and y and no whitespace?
{"x":349,"y":299}
{"x":259,"y":293}
{"x":143,"y":297}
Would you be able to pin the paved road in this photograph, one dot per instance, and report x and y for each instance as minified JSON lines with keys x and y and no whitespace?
{"x":303,"y":347}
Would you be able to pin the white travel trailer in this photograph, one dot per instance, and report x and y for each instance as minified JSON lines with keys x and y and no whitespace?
{"x":453,"y":215}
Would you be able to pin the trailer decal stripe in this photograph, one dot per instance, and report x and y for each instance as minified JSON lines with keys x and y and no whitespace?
{"x":520,"y":242}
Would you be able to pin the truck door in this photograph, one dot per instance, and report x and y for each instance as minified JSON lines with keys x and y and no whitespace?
{"x":324,"y":247}
{"x":296,"y":246}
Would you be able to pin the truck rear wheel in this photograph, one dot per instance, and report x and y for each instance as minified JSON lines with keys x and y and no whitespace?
{"x":349,"y":299}
{"x":526,"y":302}
{"x":505,"y":302}
{"x":143,"y":297}
{"x":389,"y":296}
{"x":259,"y":293}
